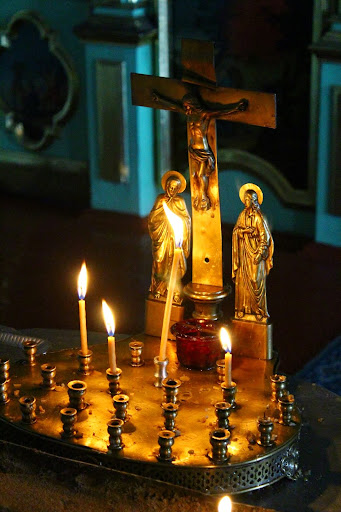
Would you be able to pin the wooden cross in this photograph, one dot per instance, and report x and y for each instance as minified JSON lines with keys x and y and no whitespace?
{"x":198,"y":97}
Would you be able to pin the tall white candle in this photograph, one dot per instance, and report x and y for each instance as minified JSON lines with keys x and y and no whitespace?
{"x":226,"y":344}
{"x":177,"y":226}
{"x":82,"y":286}
{"x":110,"y":326}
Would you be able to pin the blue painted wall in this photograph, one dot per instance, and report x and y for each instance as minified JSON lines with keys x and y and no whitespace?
{"x":138,"y":193}
{"x":61,"y":15}
{"x":328,"y":227}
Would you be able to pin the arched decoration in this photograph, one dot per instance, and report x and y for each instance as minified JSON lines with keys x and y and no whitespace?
{"x":232,"y":159}
{"x":38,"y":81}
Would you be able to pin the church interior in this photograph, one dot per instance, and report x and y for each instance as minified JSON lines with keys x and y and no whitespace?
{"x":81,"y":166}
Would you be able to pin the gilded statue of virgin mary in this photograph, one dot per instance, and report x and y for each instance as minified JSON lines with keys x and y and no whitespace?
{"x":252,"y":252}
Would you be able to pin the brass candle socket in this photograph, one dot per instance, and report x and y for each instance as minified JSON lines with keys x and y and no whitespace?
{"x":220,"y":367}
{"x":171,"y":389}
{"x":28,"y":409}
{"x":219,"y":440}
{"x":166,"y":441}
{"x":265,"y":426}
{"x":48,"y":372}
{"x":286,"y":406}
{"x":115,"y":434}
{"x":76,"y":392}
{"x":136,"y":348}
{"x":160,"y":371}
{"x":278,"y":386}
{"x":223,"y":411}
{"x":121,"y":403}
{"x":68,"y":415}
{"x":3,"y":390}
{"x":229,"y":394}
{"x":30,"y":349}
{"x":4,"y":368}
{"x":85,"y":360}
{"x":170,"y":411}
{"x":114,"y":381}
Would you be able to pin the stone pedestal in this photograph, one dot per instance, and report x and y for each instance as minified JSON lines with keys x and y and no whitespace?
{"x":252,"y":339}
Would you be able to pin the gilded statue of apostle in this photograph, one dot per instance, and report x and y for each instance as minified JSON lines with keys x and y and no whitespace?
{"x":162,"y":236}
{"x":252,"y":252}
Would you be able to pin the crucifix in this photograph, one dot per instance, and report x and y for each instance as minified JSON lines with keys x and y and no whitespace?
{"x":202,"y":102}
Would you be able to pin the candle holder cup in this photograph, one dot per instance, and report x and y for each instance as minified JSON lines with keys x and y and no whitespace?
{"x":121,"y":403}
{"x":48,"y":372}
{"x":115,"y":435}
{"x":220,"y":367}
{"x":286,"y":406}
{"x":197,"y":343}
{"x":171,"y":389}
{"x":170,"y":411}
{"x":136,"y":348}
{"x":229,"y":394}
{"x":4,"y":398}
{"x":265,"y":427}
{"x":85,"y":360}
{"x":166,"y":441}
{"x":30,"y":349}
{"x":68,"y":415}
{"x":160,"y":371}
{"x":28,"y":407}
{"x":76,"y":392}
{"x":223,"y":411}
{"x":219,"y":440}
{"x":114,"y":381}
{"x":278,"y":386}
{"x":4,"y":369}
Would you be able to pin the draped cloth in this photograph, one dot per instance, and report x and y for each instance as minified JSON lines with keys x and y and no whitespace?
{"x":162,"y":237}
{"x":249,"y":275}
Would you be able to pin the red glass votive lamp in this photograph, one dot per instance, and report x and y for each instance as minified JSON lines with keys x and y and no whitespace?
{"x":198,"y":344}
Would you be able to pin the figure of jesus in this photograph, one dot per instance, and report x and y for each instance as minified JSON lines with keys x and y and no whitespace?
{"x":198,"y":116}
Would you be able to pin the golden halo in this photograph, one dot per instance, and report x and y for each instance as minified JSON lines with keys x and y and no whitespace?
{"x":176,"y":174}
{"x":251,"y":186}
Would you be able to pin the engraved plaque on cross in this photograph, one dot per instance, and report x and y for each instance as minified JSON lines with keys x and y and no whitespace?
{"x":202,"y":102}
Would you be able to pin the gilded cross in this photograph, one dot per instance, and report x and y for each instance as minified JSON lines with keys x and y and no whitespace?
{"x":202,"y":102}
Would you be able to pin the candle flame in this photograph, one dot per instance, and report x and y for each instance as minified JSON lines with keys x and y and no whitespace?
{"x":225,"y":340}
{"x":225,"y":504}
{"x":82,"y":282}
{"x":177,"y":225}
{"x":108,"y":318}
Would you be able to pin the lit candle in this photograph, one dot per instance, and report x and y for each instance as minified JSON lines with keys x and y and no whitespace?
{"x":110,"y":325}
{"x":177,"y":226}
{"x":226,"y":344}
{"x":82,"y":286}
{"x":225,"y":504}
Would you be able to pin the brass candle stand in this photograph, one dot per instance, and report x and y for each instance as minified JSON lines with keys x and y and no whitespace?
{"x":30,"y":350}
{"x":229,"y":393}
{"x":170,"y":412}
{"x":48,"y":372}
{"x":114,"y":381}
{"x":160,"y":371}
{"x":4,"y":368}
{"x":115,"y":435}
{"x":68,"y":416}
{"x":136,"y":348}
{"x":84,"y":360}
{"x":4,"y":398}
{"x":199,"y":453}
